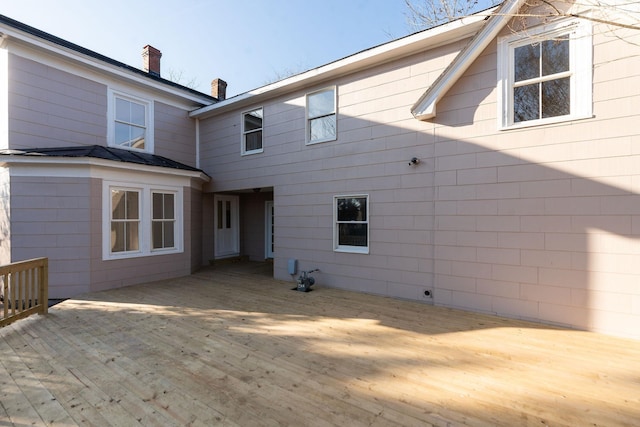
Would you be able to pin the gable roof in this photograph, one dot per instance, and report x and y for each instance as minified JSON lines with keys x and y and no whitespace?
{"x":21,"y":29}
{"x":105,"y":153}
{"x":425,"y":107}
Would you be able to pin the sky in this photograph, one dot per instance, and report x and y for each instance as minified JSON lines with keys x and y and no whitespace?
{"x":247,"y":43}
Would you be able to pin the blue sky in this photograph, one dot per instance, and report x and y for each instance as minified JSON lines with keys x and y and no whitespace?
{"x":248,"y":43}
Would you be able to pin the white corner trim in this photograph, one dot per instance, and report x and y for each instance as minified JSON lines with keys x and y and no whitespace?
{"x":425,"y":107}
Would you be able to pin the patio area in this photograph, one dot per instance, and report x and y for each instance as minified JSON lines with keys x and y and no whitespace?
{"x":232,"y":346}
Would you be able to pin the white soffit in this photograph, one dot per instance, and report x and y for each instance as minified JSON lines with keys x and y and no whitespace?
{"x":425,"y":107}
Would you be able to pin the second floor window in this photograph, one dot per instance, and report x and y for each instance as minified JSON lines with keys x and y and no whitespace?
{"x":131,"y":120}
{"x":546,"y":74}
{"x":321,"y":116}
{"x":252,"y":131}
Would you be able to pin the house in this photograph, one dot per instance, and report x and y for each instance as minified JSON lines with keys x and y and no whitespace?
{"x":490,"y":164}
{"x":99,"y":171}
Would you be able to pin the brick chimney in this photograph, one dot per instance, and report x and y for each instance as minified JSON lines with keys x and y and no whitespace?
{"x":219,"y":89}
{"x":151,"y":60}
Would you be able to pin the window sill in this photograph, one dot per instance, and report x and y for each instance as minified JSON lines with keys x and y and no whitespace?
{"x":248,"y":153}
{"x":543,"y":122}
{"x":130,"y":255}
{"x":319,"y":141}
{"x":352,"y":250}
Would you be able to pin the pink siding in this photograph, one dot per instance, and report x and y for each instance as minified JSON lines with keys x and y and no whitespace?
{"x":538,"y":223}
{"x":52,"y":108}
{"x":174,"y":134}
{"x":50,"y":217}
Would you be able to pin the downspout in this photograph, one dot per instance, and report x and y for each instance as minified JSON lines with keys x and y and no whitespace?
{"x":197,"y":143}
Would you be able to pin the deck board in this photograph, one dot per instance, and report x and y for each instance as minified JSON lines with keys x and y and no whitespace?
{"x":231,"y":346}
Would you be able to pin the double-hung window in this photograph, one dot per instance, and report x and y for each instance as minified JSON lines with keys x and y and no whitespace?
{"x":130,"y":120}
{"x":321,"y":116}
{"x":252,"y":131}
{"x":163,"y":220}
{"x":545,"y":74}
{"x":351,"y":223}
{"x":125,"y":220}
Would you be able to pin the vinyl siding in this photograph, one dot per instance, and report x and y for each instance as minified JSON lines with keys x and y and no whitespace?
{"x":52,"y":108}
{"x":51,"y":217}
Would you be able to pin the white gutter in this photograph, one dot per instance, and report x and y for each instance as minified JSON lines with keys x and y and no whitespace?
{"x":425,"y":107}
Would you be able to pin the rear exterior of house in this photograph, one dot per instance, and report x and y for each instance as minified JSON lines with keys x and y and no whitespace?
{"x":127,"y":209}
{"x":490,"y":164}
{"x":522,"y":200}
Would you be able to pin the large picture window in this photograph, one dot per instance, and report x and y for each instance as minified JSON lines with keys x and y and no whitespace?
{"x":546,"y":74}
{"x":351,"y":225}
{"x":130,"y":120}
{"x":321,"y":116}
{"x":252,"y":131}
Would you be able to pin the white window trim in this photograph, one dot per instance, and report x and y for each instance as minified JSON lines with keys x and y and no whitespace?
{"x":111,"y":118}
{"x":581,"y":65}
{"x":243,"y":148}
{"x":144,"y":230}
{"x":345,"y":248}
{"x":163,"y":220}
{"x":308,"y":119}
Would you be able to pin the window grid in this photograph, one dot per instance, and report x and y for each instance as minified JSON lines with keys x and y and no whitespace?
{"x":351,"y":224}
{"x":321,"y":116}
{"x":252,"y":125}
{"x":163,"y":221}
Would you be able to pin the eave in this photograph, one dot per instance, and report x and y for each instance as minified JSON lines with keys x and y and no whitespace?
{"x":394,"y":50}
{"x":12,"y":31}
{"x":425,"y":107}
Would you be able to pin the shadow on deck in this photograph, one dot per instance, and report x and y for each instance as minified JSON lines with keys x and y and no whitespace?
{"x":229,"y":345}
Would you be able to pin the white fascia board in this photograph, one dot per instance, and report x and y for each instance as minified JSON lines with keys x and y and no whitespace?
{"x":8,"y":34}
{"x":89,"y":167}
{"x":425,"y":107}
{"x":405,"y":46}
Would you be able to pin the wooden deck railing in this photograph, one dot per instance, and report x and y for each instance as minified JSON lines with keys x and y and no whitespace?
{"x":24,"y":289}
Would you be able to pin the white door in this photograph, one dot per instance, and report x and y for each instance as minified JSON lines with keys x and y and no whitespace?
{"x":269,"y":230}
{"x":226,"y":220}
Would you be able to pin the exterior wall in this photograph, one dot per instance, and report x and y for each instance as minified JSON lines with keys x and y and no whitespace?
{"x":175,"y":134}
{"x":252,"y":224}
{"x":115,"y":273}
{"x":49,"y":107}
{"x":194,"y":238}
{"x":50,"y":217}
{"x":55,"y":103}
{"x":376,"y":138}
{"x":5,"y":217}
{"x":540,"y":223}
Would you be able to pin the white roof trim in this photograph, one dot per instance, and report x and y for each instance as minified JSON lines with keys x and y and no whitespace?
{"x":443,"y":34}
{"x":425,"y":107}
{"x":8,"y":33}
{"x":71,"y":163}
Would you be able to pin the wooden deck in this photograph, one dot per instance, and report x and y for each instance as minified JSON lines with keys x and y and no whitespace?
{"x":229,"y":346}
